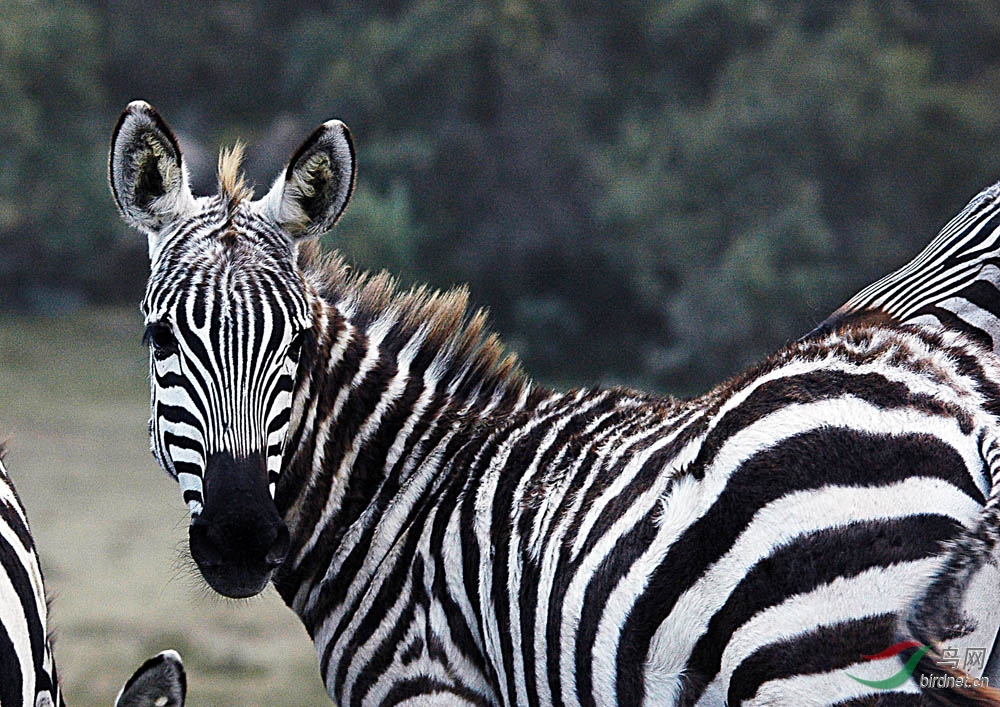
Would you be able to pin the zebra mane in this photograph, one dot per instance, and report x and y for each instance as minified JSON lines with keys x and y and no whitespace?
{"x":232,"y":184}
{"x":442,"y":319}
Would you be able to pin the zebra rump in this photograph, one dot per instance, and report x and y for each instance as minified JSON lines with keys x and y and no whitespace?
{"x":27,"y":669}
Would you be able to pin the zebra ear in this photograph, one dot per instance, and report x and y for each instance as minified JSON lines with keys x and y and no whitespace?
{"x":308,"y":198}
{"x":148,"y":178}
{"x":159,"y":682}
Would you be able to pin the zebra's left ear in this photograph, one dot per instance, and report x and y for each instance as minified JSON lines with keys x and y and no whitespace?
{"x":147,"y":174}
{"x":309,"y":196}
{"x":159,"y":682}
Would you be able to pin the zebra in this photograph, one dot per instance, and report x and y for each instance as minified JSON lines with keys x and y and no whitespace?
{"x":954,"y":282}
{"x":27,"y":669}
{"x":28,"y":674}
{"x":159,"y":682}
{"x":451,"y":532}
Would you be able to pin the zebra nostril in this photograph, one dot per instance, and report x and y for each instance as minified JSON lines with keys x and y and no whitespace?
{"x":279,"y":548}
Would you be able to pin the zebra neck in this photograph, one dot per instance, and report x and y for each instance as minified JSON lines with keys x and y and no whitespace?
{"x":953,"y":283}
{"x":377,"y":396}
{"x":971,"y":307}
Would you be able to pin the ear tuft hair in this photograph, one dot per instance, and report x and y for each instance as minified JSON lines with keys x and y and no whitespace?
{"x":232,"y":184}
{"x":311,"y":194}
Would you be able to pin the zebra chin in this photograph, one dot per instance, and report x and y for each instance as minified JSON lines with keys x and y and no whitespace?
{"x":235,"y":580}
{"x":239,"y":539}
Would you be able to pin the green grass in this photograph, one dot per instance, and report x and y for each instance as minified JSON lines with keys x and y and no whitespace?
{"x":110,"y":527}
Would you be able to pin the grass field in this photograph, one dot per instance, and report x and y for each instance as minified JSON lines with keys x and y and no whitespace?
{"x":110,"y":526}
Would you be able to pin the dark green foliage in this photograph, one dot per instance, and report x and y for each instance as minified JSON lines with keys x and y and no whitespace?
{"x":646,"y":193}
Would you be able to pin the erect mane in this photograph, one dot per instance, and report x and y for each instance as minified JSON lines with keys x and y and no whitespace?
{"x":232,"y":184}
{"x":443,"y":316}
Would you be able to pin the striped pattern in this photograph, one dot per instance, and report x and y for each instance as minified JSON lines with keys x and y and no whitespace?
{"x":513,"y":545}
{"x":954,"y":282}
{"x":241,"y":349}
{"x":27,"y":670}
{"x":459,"y":535}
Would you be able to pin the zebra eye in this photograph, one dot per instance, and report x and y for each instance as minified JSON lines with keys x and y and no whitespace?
{"x":295,"y":348}
{"x":161,"y":339}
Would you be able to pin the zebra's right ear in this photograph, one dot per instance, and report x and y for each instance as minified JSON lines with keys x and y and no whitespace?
{"x":148,"y":178}
{"x":309,"y":196}
{"x":159,"y":682}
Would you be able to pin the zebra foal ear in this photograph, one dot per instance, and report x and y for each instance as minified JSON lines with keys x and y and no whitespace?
{"x":159,"y":682}
{"x":308,"y":198}
{"x":148,"y":179}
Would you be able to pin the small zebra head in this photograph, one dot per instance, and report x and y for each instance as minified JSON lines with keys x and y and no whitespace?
{"x":226,"y":311}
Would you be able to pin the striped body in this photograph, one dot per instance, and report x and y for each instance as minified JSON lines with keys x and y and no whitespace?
{"x":521,"y":546}
{"x":27,"y":670}
{"x":451,"y":533}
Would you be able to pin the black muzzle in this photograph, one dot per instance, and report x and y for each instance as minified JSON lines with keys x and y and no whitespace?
{"x":238,"y":540}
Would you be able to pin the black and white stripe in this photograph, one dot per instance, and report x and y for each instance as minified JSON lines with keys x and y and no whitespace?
{"x":954,"y":282}
{"x":28,"y":674}
{"x":237,"y":367}
{"x":27,"y":670}
{"x":459,"y":535}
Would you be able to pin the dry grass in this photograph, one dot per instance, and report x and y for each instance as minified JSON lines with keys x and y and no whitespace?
{"x":110,"y":526}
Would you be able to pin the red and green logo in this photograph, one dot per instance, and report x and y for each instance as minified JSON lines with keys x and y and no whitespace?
{"x":904,"y":674}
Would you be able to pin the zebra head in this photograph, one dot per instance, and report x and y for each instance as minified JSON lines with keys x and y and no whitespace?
{"x":226,"y":310}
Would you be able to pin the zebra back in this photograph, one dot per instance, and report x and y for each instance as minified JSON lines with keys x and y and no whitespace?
{"x":954,"y":282}
{"x":27,"y":669}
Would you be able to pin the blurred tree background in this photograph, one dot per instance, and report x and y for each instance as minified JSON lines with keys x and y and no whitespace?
{"x":650,"y":193}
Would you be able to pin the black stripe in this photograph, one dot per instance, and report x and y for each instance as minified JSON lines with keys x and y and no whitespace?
{"x":407,"y":689}
{"x":177,"y":415}
{"x":951,"y":321}
{"x":824,"y":649}
{"x":172,"y":440}
{"x":392,"y":636}
{"x":21,"y":581}
{"x":10,"y":517}
{"x":341,"y":377}
{"x":817,"y":386}
{"x":10,"y":669}
{"x":810,"y":460}
{"x":460,"y":633}
{"x":570,"y":444}
{"x":563,"y":575}
{"x":332,"y":594}
{"x":388,"y":594}
{"x":804,"y":564}
{"x":187,"y":468}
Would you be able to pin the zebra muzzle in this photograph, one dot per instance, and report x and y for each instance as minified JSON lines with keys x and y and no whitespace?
{"x":239,"y":539}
